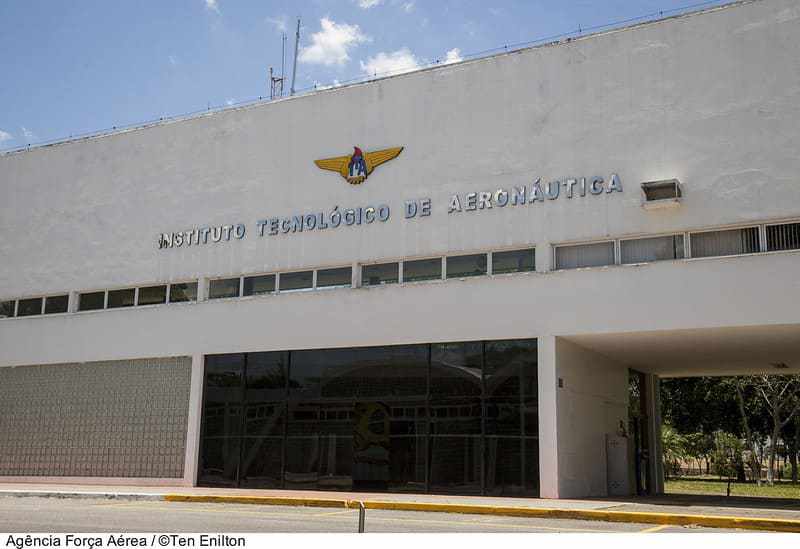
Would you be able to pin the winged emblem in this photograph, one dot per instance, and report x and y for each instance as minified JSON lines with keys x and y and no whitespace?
{"x":356,"y":167}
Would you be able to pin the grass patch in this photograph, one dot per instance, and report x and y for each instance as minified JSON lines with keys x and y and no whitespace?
{"x":719,"y":487}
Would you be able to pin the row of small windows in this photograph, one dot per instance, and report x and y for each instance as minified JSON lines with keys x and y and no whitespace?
{"x":459,"y":266}
{"x":726,"y":242}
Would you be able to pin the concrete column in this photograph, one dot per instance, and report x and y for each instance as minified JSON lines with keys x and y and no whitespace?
{"x":193,"y":425}
{"x":544,"y":257}
{"x":548,"y":417}
{"x":655,"y":466}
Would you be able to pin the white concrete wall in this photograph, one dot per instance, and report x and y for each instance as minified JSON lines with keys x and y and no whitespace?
{"x":591,"y":404}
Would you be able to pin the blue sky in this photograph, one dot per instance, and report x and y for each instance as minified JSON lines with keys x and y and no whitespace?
{"x":70,"y":67}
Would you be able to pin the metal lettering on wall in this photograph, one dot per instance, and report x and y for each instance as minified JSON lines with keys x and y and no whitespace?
{"x":336,"y":217}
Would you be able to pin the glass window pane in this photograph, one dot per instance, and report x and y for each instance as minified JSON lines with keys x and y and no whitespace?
{"x":460,"y":266}
{"x":91,"y":301}
{"x":660,"y":248}
{"x":219,"y":461}
{"x":514,"y":261}
{"x":585,"y":255}
{"x":455,"y":465}
{"x":504,"y":466}
{"x":255,"y":285}
{"x":375,"y":275}
{"x":302,"y":280}
{"x":728,"y":242}
{"x":29,"y":307}
{"x":222,"y":404}
{"x":183,"y":291}
{"x":510,"y":370}
{"x":456,"y":369}
{"x":153,"y":295}
{"x":264,"y":419}
{"x":228,"y":287}
{"x":56,"y":304}
{"x":455,"y":416}
{"x":7,"y":309}
{"x":266,"y":376}
{"x":121,"y":298}
{"x":262,"y":462}
{"x":422,"y":269}
{"x":335,"y":278}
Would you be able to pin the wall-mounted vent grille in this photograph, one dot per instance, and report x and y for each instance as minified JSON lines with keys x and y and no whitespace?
{"x":783,"y":237}
{"x":727,"y":242}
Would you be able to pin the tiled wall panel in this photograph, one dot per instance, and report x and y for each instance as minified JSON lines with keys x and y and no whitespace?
{"x":100,"y":419}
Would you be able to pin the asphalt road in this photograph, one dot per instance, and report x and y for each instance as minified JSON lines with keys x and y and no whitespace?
{"x":34,"y":514}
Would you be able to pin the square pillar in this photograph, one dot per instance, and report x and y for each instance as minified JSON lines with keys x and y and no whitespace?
{"x":193,"y":424}
{"x":655,"y":465}
{"x":548,"y":417}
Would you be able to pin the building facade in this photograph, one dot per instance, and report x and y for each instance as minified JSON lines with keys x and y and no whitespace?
{"x":444,"y":281}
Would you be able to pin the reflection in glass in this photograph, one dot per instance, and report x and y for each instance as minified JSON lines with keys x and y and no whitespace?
{"x":29,"y":307}
{"x":262,"y":462}
{"x":422,"y":269}
{"x":56,"y":304}
{"x":514,"y":261}
{"x":255,"y":285}
{"x":302,"y":280}
{"x":376,"y":275}
{"x":456,"y":369}
{"x":455,"y":464}
{"x":181,"y":292}
{"x":461,"y":266}
{"x":7,"y":309}
{"x":121,"y":298}
{"x":152,"y":295}
{"x":227,"y":287}
{"x":219,"y":462}
{"x":91,"y":301}
{"x":335,"y":278}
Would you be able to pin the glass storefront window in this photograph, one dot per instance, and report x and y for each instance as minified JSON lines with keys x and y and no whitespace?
{"x":225,"y":287}
{"x":422,"y":269}
{"x":377,"y":275}
{"x":152,"y":295}
{"x":56,"y":304}
{"x":182,"y":292}
{"x":121,"y":298}
{"x":256,"y":285}
{"x":461,"y":266}
{"x":335,"y":278}
{"x":29,"y":307}
{"x":513,"y":261}
{"x":443,"y":418}
{"x":7,"y":309}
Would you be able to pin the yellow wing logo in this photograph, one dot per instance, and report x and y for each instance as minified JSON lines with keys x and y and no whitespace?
{"x":358,"y":166}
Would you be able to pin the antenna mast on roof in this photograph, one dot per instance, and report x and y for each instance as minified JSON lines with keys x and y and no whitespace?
{"x":276,"y":82}
{"x":294,"y":65}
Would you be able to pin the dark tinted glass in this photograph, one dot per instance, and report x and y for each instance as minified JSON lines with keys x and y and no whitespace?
{"x":455,"y":464}
{"x":332,"y":278}
{"x":460,"y":266}
{"x":184,"y":291}
{"x":511,"y":368}
{"x":228,"y":287}
{"x":29,"y":307}
{"x":152,"y":295}
{"x":375,"y":275}
{"x":514,"y":261}
{"x":455,"y":416}
{"x":266,"y":376}
{"x":296,"y":281}
{"x":7,"y":309}
{"x":456,"y":369}
{"x":222,"y":407}
{"x":56,"y":304}
{"x":504,"y":465}
{"x":254,"y":285}
{"x":219,"y":462}
{"x":262,"y":462}
{"x":91,"y":301}
{"x":121,"y":298}
{"x":264,"y":419}
{"x":422,"y":269}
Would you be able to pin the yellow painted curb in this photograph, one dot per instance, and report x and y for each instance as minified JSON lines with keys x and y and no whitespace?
{"x":670,"y":519}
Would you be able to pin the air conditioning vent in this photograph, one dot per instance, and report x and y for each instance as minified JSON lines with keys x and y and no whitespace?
{"x":661,"y":194}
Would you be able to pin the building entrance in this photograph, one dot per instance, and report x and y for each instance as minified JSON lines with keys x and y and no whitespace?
{"x":447,"y":418}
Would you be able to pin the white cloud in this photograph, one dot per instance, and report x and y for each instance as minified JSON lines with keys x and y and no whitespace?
{"x":29,"y":135}
{"x":229,"y":102}
{"x":212,"y":5}
{"x":367,"y":4}
{"x":5,"y":136}
{"x":408,"y":7}
{"x":279,"y":23}
{"x":453,"y":56}
{"x":395,"y":62}
{"x":173,"y":60}
{"x":330,"y":45}
{"x":319,"y":86}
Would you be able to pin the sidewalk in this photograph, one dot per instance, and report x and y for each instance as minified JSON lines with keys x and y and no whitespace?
{"x":710,"y":511}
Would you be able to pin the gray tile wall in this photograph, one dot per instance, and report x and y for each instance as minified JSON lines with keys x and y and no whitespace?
{"x":109,"y":419}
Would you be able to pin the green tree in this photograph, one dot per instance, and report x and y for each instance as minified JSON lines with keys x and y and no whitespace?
{"x":673,"y":446}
